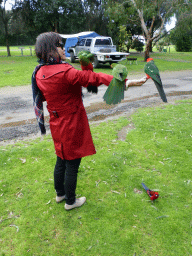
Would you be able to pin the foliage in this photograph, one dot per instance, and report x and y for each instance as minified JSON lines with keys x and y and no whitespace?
{"x":137,"y":45}
{"x":125,"y":39}
{"x":31,"y":17}
{"x":181,"y":36}
{"x":118,"y":218}
{"x":96,"y":20}
{"x":51,"y":15}
{"x":141,"y":17}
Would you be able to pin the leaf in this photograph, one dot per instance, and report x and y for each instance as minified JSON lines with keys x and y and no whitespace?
{"x":15,"y":227}
{"x":137,"y":191}
{"x":23,"y":160}
{"x":116,"y":192}
{"x":164,"y":216}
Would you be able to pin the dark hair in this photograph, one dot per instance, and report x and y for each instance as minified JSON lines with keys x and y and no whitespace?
{"x":46,"y":45}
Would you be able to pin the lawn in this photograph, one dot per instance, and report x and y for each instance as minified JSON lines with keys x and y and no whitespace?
{"x":118,"y":218}
{"x":17,"y":69}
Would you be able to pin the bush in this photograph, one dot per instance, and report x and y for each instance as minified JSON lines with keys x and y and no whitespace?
{"x":183,"y":43}
{"x":181,"y":36}
{"x":137,"y":45}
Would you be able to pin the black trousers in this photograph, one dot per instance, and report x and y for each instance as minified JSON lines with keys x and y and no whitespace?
{"x":65,"y":178}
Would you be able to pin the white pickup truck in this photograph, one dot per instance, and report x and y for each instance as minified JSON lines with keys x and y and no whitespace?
{"x":102,"y":47}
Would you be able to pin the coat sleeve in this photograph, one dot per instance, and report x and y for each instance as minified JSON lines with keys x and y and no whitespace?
{"x":86,"y":78}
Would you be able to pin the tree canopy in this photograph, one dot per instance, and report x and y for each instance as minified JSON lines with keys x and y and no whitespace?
{"x":116,"y":18}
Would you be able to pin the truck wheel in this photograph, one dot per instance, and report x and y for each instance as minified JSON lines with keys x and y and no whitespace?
{"x":72,"y":57}
{"x":95,"y":62}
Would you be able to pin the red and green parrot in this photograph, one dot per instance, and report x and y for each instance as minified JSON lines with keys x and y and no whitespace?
{"x":115,"y":91}
{"x":152,"y":72}
{"x":86,"y":58}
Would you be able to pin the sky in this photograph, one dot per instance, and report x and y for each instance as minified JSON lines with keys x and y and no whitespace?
{"x":8,"y":5}
{"x":171,"y":24}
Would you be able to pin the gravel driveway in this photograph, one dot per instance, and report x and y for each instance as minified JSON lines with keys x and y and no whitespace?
{"x":17,"y":119}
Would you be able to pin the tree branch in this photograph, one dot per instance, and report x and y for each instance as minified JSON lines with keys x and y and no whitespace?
{"x":162,"y":25}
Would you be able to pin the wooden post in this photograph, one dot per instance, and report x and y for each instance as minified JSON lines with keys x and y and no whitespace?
{"x":30,"y":50}
{"x":21,"y":50}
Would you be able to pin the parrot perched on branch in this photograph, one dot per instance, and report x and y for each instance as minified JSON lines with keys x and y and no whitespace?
{"x":115,"y":91}
{"x":86,"y":58}
{"x":152,"y":194}
{"x":152,"y":72}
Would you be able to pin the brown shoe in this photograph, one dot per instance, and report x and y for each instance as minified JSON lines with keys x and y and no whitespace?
{"x":78,"y":202}
{"x":60,"y":199}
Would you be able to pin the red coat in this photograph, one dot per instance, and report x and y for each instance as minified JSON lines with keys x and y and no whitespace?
{"x":61,"y":86}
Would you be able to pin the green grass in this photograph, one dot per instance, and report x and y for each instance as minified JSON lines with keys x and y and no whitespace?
{"x":118,"y":218}
{"x":17,"y":70}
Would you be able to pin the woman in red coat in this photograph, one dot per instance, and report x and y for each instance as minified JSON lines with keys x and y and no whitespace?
{"x":60,"y":85}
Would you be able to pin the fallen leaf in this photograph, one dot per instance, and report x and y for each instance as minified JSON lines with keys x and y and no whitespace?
{"x":164,"y":216}
{"x":137,"y":191}
{"x":113,"y":191}
{"x":15,"y":226}
{"x":23,"y":160}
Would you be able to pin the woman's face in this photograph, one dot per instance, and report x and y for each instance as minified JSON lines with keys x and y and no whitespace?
{"x":61,"y":51}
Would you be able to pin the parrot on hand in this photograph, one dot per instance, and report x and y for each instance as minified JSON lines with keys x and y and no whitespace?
{"x":86,"y":58}
{"x":152,"y":72}
{"x":115,"y":91}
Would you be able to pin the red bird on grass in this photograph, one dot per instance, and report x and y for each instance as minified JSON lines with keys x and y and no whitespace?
{"x":152,"y":194}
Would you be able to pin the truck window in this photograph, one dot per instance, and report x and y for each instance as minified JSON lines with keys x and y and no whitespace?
{"x":82,"y":42}
{"x":106,"y":41}
{"x":88,"y":42}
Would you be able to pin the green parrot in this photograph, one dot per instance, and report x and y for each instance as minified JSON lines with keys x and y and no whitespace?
{"x":85,"y":57}
{"x":152,"y":72}
{"x":115,"y":91}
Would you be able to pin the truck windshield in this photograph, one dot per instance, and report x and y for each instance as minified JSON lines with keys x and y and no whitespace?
{"x":106,"y":41}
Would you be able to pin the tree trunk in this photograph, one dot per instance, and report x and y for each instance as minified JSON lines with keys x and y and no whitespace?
{"x":147,"y":50}
{"x":7,"y":40}
{"x":8,"y":49}
{"x":151,"y":47}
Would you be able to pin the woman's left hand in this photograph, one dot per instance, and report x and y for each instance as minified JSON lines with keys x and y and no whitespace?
{"x":136,"y":82}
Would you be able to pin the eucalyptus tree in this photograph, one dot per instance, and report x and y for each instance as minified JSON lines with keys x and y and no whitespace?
{"x":146,"y":16}
{"x":156,"y":10}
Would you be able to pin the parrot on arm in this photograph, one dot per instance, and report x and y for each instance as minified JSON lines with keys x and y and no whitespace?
{"x":115,"y":91}
{"x":152,"y":72}
{"x":86,"y":58}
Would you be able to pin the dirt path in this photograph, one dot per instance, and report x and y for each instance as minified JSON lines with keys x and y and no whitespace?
{"x":17,"y":120}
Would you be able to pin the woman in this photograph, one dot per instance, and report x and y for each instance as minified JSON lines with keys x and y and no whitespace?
{"x":60,"y":85}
